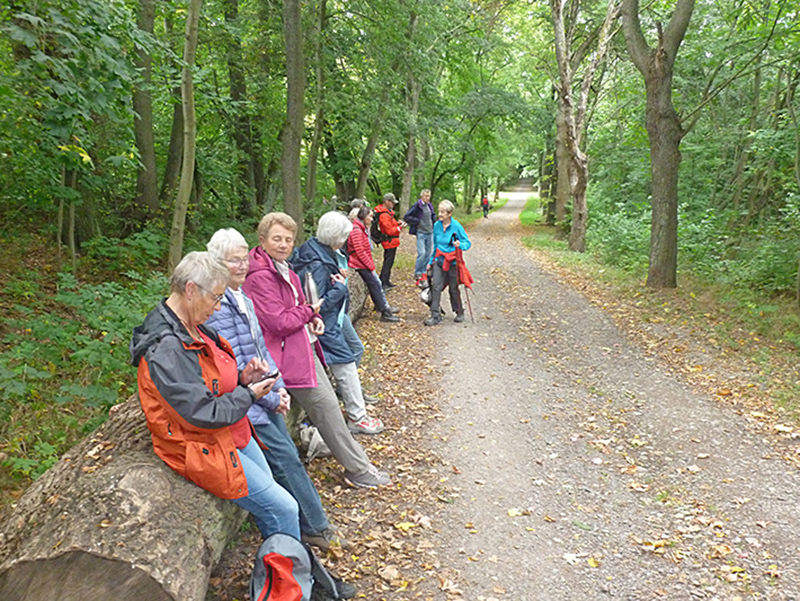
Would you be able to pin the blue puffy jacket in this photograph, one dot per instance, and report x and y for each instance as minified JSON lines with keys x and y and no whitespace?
{"x":319,"y":260}
{"x":234,"y":326}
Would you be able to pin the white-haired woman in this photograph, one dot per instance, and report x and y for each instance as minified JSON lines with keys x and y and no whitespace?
{"x":321,"y":258}
{"x":291,"y":327}
{"x":448,"y":235}
{"x":236,"y":321}
{"x":196,"y":399}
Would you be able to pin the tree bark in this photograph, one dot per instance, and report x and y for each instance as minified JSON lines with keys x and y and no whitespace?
{"x":146,"y":176}
{"x":292,"y":134}
{"x":664,"y":132}
{"x":189,"y":135}
{"x":319,"y":111}
{"x":111,"y":521}
{"x":412,"y":90}
{"x":172,"y":167}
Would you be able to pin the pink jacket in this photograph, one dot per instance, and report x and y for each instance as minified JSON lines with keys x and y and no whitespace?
{"x":282,"y":320}
{"x":359,"y":248}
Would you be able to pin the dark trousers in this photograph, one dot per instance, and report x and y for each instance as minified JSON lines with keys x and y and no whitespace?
{"x":388,"y":262}
{"x":442,"y":278}
{"x":375,"y":289}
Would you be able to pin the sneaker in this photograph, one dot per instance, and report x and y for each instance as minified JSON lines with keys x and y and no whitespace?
{"x":433,"y":320}
{"x":387,"y":287}
{"x":372,"y":478}
{"x":391,"y":309}
{"x":366,"y":425}
{"x":459,"y":318}
{"x":369,"y":399}
{"x":389,"y":317}
{"x":325,"y":539}
{"x":344,"y":590}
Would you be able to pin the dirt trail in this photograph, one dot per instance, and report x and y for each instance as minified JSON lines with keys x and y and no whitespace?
{"x":576,"y":468}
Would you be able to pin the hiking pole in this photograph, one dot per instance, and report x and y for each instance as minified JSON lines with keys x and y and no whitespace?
{"x":469,"y":304}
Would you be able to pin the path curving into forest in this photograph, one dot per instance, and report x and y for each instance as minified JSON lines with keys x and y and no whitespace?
{"x":575,"y":467}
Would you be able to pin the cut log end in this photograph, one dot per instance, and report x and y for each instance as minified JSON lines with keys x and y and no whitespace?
{"x":79,"y":576}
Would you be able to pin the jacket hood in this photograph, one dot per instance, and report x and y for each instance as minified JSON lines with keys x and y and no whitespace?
{"x":160,"y":322}
{"x":260,"y":260}
{"x":312,"y":251}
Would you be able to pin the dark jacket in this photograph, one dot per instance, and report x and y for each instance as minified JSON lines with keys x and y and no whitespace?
{"x":414,"y":215}
{"x":188,"y":423}
{"x":318,"y":259}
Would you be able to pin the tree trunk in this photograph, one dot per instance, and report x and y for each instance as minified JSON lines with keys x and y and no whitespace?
{"x":111,"y":521}
{"x":146,"y":177}
{"x":412,"y":89}
{"x":292,"y":134}
{"x":664,"y":132}
{"x":172,"y":168}
{"x":249,"y":159}
{"x":319,"y":111}
{"x":189,"y":135}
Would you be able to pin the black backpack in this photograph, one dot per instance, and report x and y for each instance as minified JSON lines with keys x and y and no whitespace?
{"x":375,"y":230}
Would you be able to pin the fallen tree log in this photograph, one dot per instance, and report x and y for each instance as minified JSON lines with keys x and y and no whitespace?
{"x":111,"y":521}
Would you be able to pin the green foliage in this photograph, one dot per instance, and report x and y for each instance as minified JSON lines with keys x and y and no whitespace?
{"x":61,"y":370}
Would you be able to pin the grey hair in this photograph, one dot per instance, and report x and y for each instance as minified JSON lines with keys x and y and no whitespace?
{"x":224,"y":241}
{"x":357,"y":203}
{"x":199,"y":267}
{"x":447,"y":206}
{"x":333,"y":229}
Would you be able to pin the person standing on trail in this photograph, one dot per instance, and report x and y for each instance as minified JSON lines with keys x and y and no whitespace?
{"x":448,"y":235}
{"x":485,"y":207}
{"x":420,"y":218}
{"x":390,"y":228}
{"x":360,"y":258}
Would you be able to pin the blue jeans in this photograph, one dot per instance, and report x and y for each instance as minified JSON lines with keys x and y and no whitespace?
{"x":375,"y":288}
{"x":352,"y":339}
{"x":281,"y":454}
{"x":424,"y":252}
{"x":273,"y":508}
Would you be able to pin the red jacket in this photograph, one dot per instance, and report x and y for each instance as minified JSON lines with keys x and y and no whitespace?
{"x":388,"y":225}
{"x":188,"y":418}
{"x":359,"y":249}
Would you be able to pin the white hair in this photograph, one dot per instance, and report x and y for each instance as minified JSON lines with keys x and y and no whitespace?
{"x":333,"y":229}
{"x":447,"y":206}
{"x":202,"y":268}
{"x":224,"y":241}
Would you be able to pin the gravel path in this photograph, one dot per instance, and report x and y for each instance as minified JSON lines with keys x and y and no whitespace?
{"x":574,"y":467}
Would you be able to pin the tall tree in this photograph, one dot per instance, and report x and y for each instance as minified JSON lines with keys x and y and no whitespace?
{"x":292,"y":134}
{"x":189,"y":137}
{"x":664,"y":132}
{"x":146,"y":176}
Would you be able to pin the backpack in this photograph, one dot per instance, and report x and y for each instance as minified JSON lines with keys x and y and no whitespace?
{"x":287,"y":570}
{"x":375,"y":230}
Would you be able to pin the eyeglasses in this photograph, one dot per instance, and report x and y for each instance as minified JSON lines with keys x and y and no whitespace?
{"x":238,"y":261}
{"x":217,"y":297}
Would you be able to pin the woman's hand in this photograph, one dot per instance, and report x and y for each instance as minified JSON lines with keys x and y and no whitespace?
{"x":316,"y":326}
{"x":316,"y":306}
{"x":262,"y":387}
{"x":286,"y":402}
{"x":338,"y":278}
{"x":254,"y":371}
{"x":456,"y":243}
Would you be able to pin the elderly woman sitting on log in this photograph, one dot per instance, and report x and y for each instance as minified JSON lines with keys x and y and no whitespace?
{"x":236,"y":321}
{"x":196,"y":400}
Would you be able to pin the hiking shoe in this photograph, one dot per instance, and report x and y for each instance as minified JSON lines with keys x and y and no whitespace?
{"x":459,"y":318}
{"x":433,"y":320}
{"x":387,"y":287}
{"x":325,"y":539}
{"x":389,"y":317}
{"x":369,"y":399}
{"x":391,"y":309}
{"x":372,"y":478}
{"x":345,"y":590}
{"x":366,"y":425}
